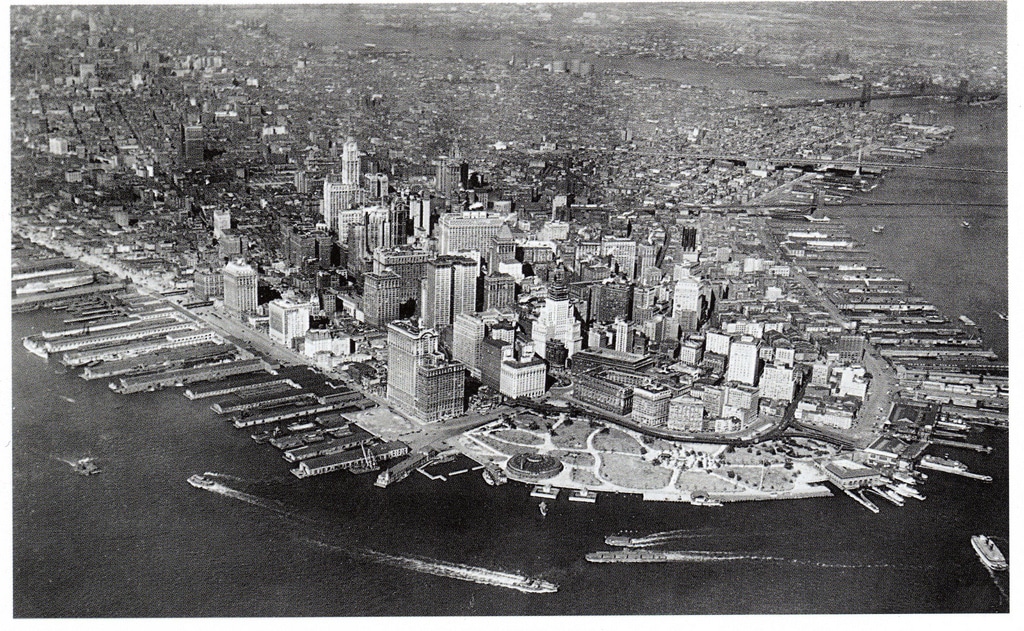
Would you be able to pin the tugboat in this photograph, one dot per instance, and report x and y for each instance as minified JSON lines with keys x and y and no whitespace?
{"x":989,"y":554}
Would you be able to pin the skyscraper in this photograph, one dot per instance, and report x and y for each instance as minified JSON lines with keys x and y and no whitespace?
{"x":435,"y":306}
{"x":440,"y":388}
{"x":240,"y":285}
{"x":448,"y":174}
{"x":557,"y":318}
{"x":192,"y":141}
{"x":743,"y":361}
{"x":221,"y":222}
{"x":467,"y":341}
{"x":499,"y":291}
{"x":408,"y":347}
{"x":351,"y":169}
{"x":420,"y":380}
{"x":449,"y":288}
{"x":409,"y":264}
{"x":381,"y":297}
{"x":467,"y":232}
{"x":288,"y":321}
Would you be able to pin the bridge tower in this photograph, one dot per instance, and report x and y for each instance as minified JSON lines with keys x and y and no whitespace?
{"x":865,"y":94}
{"x":961,"y":90}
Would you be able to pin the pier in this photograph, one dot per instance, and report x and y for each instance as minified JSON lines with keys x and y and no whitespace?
{"x":142,"y":383}
{"x":983,"y":449}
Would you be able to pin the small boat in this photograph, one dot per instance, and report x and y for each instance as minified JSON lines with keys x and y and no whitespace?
{"x":1003,"y":316}
{"x":878,"y":229}
{"x":85,"y":466}
{"x":989,"y":554}
{"x":965,"y":223}
{"x":543,"y":506}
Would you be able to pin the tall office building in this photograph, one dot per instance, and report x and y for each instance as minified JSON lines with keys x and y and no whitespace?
{"x":743,"y":361}
{"x":339,"y":198}
{"x":623,"y":336}
{"x":623,"y":251}
{"x":419,"y":212}
{"x":557,"y":318}
{"x":408,"y":348}
{"x":440,"y":388}
{"x":499,"y":291}
{"x":381,"y":297}
{"x":777,"y":382}
{"x":467,"y":232}
{"x":464,"y":283}
{"x":449,"y":288}
{"x":647,"y":258}
{"x":502,"y":248}
{"x":351,"y":169}
{"x":410,"y":265}
{"x":650,"y":404}
{"x":240,"y":288}
{"x":288,"y":321}
{"x":435,"y":306}
{"x":221,"y":222}
{"x":467,"y":341}
{"x":192,"y":141}
{"x":448,"y":175}
{"x":525,"y":377}
{"x":611,"y":300}
{"x":686,"y":413}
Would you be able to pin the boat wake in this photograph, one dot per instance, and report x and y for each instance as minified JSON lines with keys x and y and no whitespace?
{"x":208,"y":482}
{"x":483,"y":576}
{"x":435,"y":567}
{"x":1004,"y":596}
{"x":714,"y":555}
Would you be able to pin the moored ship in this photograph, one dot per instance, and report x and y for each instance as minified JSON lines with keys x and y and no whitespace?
{"x":990,"y":554}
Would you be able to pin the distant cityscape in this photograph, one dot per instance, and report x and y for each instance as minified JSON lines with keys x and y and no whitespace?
{"x":417,"y":243}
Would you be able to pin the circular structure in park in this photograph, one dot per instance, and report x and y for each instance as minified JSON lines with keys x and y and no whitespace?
{"x":529,"y":467}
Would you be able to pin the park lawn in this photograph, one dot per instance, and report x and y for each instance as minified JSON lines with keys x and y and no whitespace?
{"x":573,"y":437}
{"x":633,"y":472}
{"x":700,"y":480}
{"x":617,"y":441}
{"x":585,"y":477}
{"x":574,"y":458}
{"x":518,"y":437}
{"x":500,"y":445}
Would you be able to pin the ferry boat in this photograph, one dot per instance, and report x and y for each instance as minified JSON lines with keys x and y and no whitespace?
{"x":989,"y":554}
{"x":946,"y":465}
{"x":620,"y":541}
{"x":200,"y":481}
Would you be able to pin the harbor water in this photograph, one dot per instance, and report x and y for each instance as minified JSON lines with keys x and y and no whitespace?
{"x":138,"y":540}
